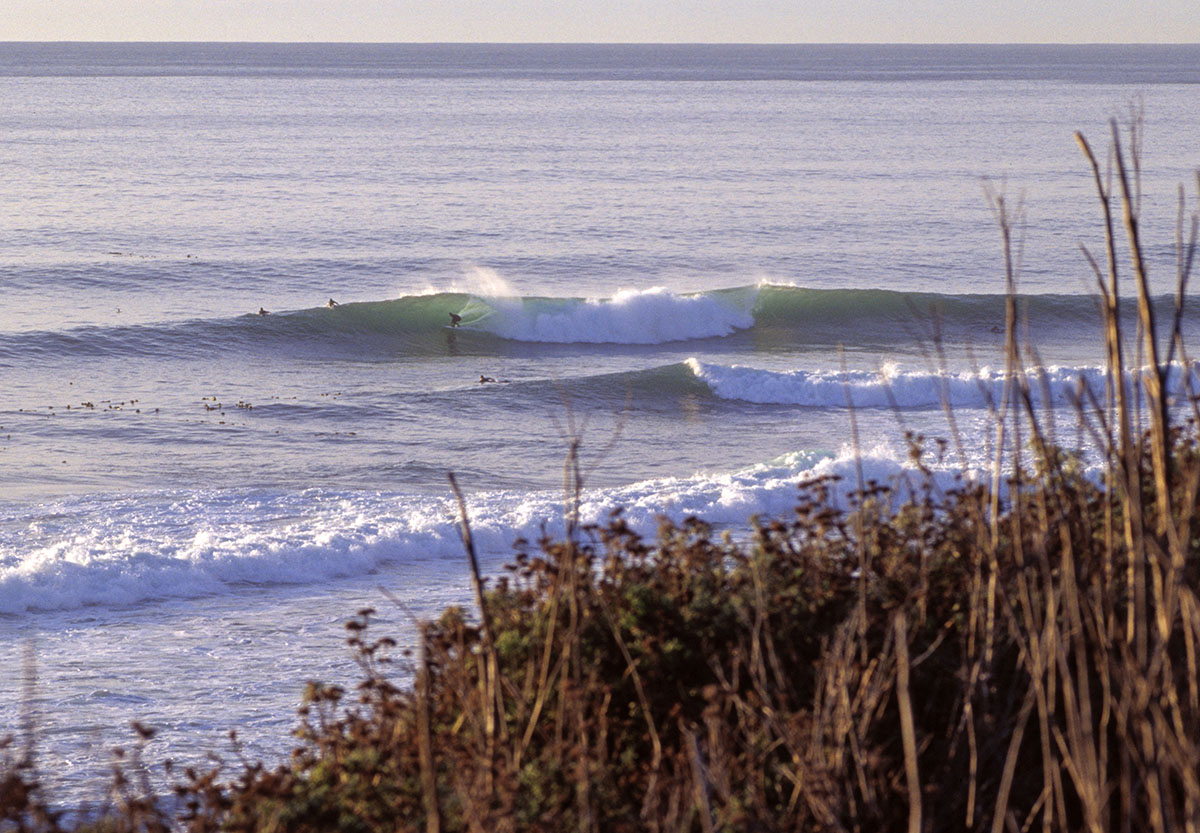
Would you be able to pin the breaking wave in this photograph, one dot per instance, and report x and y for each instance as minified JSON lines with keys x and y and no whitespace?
{"x":891,"y":387}
{"x":122,"y":551}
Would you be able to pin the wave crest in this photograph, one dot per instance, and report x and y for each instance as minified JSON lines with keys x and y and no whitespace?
{"x":632,"y":316}
{"x":891,"y":387}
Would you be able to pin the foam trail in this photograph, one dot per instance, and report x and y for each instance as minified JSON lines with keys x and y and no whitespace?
{"x":649,"y":316}
{"x":98,"y":551}
{"x":905,"y":389}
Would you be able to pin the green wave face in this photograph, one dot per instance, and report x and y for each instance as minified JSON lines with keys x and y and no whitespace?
{"x":658,"y":316}
{"x":766,"y":317}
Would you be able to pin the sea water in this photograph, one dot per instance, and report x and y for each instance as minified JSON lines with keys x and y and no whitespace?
{"x":702,"y":261}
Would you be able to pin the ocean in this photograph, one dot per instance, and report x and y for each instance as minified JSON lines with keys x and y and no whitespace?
{"x":726,"y":269}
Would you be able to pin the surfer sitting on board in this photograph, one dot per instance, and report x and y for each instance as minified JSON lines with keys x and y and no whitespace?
{"x":332,"y":303}
{"x":262,"y":311}
{"x":454,"y":319}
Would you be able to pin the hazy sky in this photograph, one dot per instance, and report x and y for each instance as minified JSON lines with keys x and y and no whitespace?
{"x":687,"y":21}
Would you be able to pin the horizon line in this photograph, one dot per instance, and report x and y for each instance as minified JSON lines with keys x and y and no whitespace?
{"x":601,"y":43}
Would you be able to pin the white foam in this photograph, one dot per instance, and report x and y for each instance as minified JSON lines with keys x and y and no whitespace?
{"x":891,"y":385}
{"x":97,"y":551}
{"x":632,"y":316}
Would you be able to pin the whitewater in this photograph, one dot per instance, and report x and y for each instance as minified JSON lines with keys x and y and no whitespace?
{"x":727,"y":270}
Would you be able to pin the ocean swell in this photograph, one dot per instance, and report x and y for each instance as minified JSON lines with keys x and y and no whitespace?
{"x":420,"y":324}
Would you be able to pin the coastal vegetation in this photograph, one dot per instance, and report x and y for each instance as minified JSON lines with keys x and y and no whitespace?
{"x":1017,"y":654}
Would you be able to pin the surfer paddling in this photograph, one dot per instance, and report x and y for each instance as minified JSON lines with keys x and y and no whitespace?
{"x":332,"y":303}
{"x":483,"y":380}
{"x":262,"y":311}
{"x":455,"y":318}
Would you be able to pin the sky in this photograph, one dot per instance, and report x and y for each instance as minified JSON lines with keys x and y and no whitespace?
{"x":607,"y":21}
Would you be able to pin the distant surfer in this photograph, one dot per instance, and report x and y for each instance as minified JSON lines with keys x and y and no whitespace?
{"x":262,"y":311}
{"x":332,"y":303}
{"x":455,"y":318}
{"x":483,"y":380}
